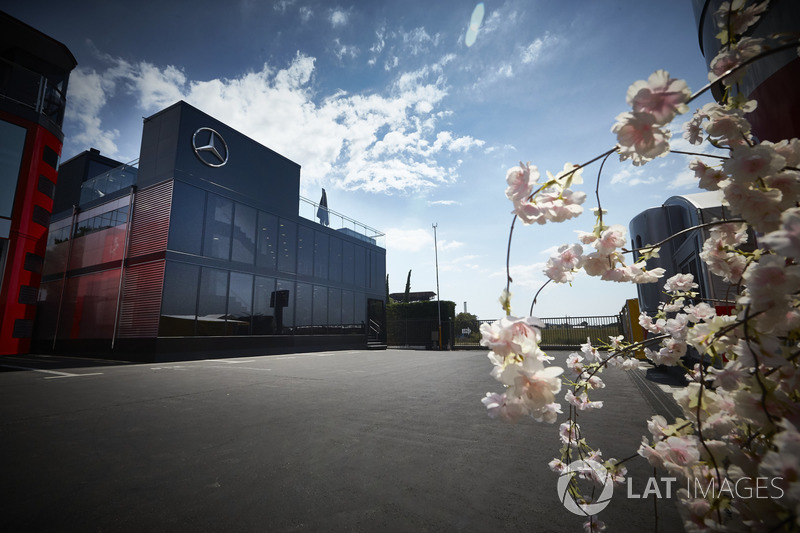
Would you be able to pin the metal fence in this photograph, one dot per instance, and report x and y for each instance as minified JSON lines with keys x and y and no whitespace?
{"x":560,"y":332}
{"x":419,"y":333}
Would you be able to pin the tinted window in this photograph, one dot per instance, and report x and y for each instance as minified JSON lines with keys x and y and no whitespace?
{"x":348,"y":263}
{"x":335,"y":261}
{"x":267,"y":240}
{"x":334,"y":306}
{"x":12,"y":143}
{"x":320,"y":305}
{"x":284,"y":316}
{"x":305,"y":251}
{"x":179,"y":299}
{"x":263,"y":312}
{"x":347,"y":308}
{"x":359,"y":268}
{"x":240,"y":304}
{"x":320,"y":256}
{"x":244,"y":235}
{"x":287,"y":246}
{"x":219,"y":219}
{"x":303,"y":312}
{"x":212,"y":302}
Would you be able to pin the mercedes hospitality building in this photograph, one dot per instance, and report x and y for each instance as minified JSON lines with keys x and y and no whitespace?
{"x":201,"y":248}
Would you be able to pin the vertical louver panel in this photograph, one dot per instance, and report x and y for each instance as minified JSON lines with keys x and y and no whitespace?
{"x":141,"y":300}
{"x":150,"y":224}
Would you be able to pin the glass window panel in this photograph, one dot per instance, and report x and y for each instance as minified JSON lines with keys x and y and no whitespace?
{"x":348,"y":263}
{"x":320,"y":306}
{"x":219,"y":219}
{"x":305,"y":251}
{"x":360,"y":268}
{"x":334,"y":307}
{"x":212,"y":302}
{"x":287,"y":246}
{"x":179,"y":300}
{"x":360,"y":308}
{"x":284,"y":316}
{"x":303,"y":313}
{"x":335,"y":260}
{"x":89,"y":306}
{"x":244,"y":234}
{"x":186,"y":220}
{"x":263,"y":312}
{"x":347,"y":308}
{"x":267,"y":240}
{"x":240,"y":304}
{"x":320,"y":255}
{"x":12,"y":144}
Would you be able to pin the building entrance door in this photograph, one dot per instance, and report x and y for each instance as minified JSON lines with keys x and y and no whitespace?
{"x":376,"y":322}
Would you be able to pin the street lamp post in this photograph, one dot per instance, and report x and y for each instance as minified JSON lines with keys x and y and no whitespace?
{"x":438,"y":298}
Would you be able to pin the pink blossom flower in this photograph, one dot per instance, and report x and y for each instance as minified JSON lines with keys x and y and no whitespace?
{"x":680,"y":283}
{"x":701,"y":311}
{"x":570,"y":433}
{"x":788,"y":182}
{"x":709,"y":177}
{"x":789,"y":149}
{"x":657,"y":426}
{"x":590,"y":352}
{"x":597,"y":264}
{"x":563,"y":263}
{"x":693,"y":128}
{"x":582,"y":401}
{"x":660,"y":96}
{"x":727,"y":125}
{"x":594,"y":525}
{"x":498,"y":406}
{"x":760,"y":208}
{"x":511,"y":335}
{"x":786,"y":240}
{"x":748,"y":163}
{"x":575,"y":363}
{"x":681,"y":451}
{"x":520,"y":181}
{"x":730,"y":376}
{"x":736,"y":20}
{"x":731,"y":57}
{"x":639,"y":138}
{"x":611,"y":239}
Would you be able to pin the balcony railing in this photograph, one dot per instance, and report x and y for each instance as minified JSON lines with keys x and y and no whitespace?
{"x":109,"y":182}
{"x":32,"y":90}
{"x":342,"y":223}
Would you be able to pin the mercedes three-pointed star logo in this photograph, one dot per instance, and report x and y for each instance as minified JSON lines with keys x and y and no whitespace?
{"x":214,"y":152}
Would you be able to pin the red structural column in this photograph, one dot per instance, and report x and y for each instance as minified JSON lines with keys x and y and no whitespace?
{"x":33,"y":205}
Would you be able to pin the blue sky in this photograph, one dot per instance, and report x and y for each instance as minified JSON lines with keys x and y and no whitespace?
{"x":385,"y":106}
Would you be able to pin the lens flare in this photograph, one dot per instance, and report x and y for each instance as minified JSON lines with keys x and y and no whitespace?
{"x":474,"y":24}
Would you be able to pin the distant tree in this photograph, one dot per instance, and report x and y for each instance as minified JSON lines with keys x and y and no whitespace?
{"x":388,"y":300}
{"x":466,"y":320}
{"x":408,"y":287}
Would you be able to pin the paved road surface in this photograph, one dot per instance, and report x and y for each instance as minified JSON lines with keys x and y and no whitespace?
{"x":392,"y":440}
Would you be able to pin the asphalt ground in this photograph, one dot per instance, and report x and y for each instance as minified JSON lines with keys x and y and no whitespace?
{"x":393,"y":440}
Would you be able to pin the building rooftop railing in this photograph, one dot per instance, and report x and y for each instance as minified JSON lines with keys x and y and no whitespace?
{"x":109,"y":182}
{"x":310,"y":209}
{"x":32,"y":90}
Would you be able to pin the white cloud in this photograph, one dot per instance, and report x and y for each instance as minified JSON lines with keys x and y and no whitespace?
{"x":306,"y":13}
{"x":415,"y":240}
{"x":443,"y":202}
{"x":338,"y":18}
{"x":535,"y":51}
{"x":373,"y":142}
{"x":632,"y":176}
{"x":447,"y":246}
{"x":87,"y":97}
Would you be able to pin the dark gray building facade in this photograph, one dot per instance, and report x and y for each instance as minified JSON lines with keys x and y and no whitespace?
{"x":202,"y":249}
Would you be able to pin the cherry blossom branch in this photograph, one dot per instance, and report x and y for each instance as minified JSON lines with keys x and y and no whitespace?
{"x":537,"y":294}
{"x":743,"y":64}
{"x":687,"y":230}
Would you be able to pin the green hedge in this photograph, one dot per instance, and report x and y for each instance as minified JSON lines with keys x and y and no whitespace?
{"x":414,"y":310}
